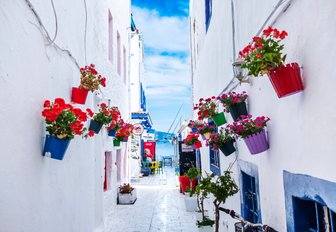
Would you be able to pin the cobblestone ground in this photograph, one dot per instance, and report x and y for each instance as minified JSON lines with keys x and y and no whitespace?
{"x":159,"y":207}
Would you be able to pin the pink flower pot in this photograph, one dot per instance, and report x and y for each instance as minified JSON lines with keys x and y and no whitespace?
{"x":257,"y":142}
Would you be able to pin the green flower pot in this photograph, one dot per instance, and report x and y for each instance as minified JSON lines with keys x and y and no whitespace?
{"x":219,"y":119}
{"x":116,"y":142}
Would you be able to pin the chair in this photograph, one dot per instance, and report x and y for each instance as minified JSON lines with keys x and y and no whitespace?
{"x":160,"y":168}
{"x":145,"y":169}
{"x":154,"y":166}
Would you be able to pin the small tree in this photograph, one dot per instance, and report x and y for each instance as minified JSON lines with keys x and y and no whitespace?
{"x":222,"y":188}
{"x":191,"y":174}
{"x":202,"y":191}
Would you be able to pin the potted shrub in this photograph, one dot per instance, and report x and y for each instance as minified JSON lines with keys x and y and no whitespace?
{"x":221,"y":188}
{"x":103,"y":117}
{"x":223,"y":141}
{"x":206,"y":129}
{"x":264,"y":56}
{"x":192,"y":140}
{"x":126,"y":195}
{"x":202,"y":191}
{"x":252,"y":131}
{"x":90,"y":81}
{"x":116,"y":121}
{"x":63,"y":123}
{"x":190,"y":199}
{"x":207,"y":108}
{"x":194,"y":125}
{"x":234,"y":103}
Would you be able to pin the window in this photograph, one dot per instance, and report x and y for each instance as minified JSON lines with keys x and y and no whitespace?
{"x":124,"y":63}
{"x":208,"y":13}
{"x":214,"y":158}
{"x":250,"y":208}
{"x":110,"y":40}
{"x":312,"y":216}
{"x":118,"y":54}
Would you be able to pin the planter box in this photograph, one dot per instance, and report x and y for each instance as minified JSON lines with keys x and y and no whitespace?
{"x":127,"y":198}
{"x":190,"y":203}
{"x":257,"y":142}
{"x":228,"y":148}
{"x":238,"y":109}
{"x":55,"y":148}
{"x":206,"y":228}
{"x":78,"y":95}
{"x":219,"y":119}
{"x":95,"y":126}
{"x":112,"y":133}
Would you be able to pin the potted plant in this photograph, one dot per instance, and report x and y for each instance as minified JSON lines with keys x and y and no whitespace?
{"x":207,"y":108}
{"x":223,"y":141}
{"x":202,"y":191}
{"x":206,"y":129}
{"x":125,"y":130}
{"x":264,"y":56}
{"x":194,"y":125}
{"x":252,"y":131}
{"x":116,"y":121}
{"x":103,"y":117}
{"x":192,"y":140}
{"x":63,"y":123}
{"x":190,"y":199}
{"x":90,"y":81}
{"x":221,"y":188}
{"x":126,"y":195}
{"x":234,"y":103}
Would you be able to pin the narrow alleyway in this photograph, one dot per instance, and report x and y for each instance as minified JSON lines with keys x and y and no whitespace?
{"x":159,"y":207}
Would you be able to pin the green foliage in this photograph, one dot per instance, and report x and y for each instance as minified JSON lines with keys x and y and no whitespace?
{"x":223,"y":187}
{"x":205,"y":222}
{"x":192,"y":173}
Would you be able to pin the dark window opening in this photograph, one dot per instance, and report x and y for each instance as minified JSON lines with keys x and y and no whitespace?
{"x":250,"y":198}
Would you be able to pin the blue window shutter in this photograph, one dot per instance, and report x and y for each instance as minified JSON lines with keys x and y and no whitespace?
{"x":250,"y":203}
{"x":208,"y":13}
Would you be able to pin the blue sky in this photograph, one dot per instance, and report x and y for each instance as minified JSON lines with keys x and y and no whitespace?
{"x":165,"y":28}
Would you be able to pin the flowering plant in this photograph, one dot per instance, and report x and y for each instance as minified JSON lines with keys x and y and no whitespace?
{"x":116,"y":120}
{"x":247,"y":126}
{"x":232,"y":98}
{"x":125,"y":131}
{"x":103,"y":116}
{"x":206,"y":128}
{"x":191,"y":139}
{"x":207,"y":108}
{"x":63,"y":120}
{"x":195,"y":124}
{"x":265,"y":52}
{"x":126,"y":188}
{"x":90,"y":79}
{"x":217,"y":140}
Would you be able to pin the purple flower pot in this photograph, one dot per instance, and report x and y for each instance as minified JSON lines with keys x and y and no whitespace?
{"x":257,"y":142}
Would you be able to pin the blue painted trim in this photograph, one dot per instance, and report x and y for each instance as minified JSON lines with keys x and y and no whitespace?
{"x":307,"y":188}
{"x":208,"y":13}
{"x":133,"y":27}
{"x":214,"y":168}
{"x":251,"y":170}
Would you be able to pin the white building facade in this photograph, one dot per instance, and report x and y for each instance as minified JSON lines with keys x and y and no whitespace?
{"x":44,"y":46}
{"x":295,"y":175}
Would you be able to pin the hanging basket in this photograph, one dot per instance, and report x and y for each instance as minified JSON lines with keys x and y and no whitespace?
{"x":78,"y":95}
{"x":125,"y":139}
{"x":228,"y":148}
{"x":197,"y":145}
{"x":257,"y":142}
{"x":219,"y":119}
{"x":206,"y":136}
{"x":194,"y":130}
{"x":238,"y":109}
{"x":286,"y":80}
{"x":95,"y":126}
{"x":116,"y":142}
{"x":55,"y":148}
{"x":112,"y":133}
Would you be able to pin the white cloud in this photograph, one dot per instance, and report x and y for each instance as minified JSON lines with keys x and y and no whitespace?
{"x":162,"y":33}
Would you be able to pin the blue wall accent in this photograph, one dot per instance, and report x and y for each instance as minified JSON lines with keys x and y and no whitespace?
{"x":251,"y":170}
{"x":307,"y":188}
{"x":143,"y":103}
{"x":208,"y":13}
{"x":214,"y":168}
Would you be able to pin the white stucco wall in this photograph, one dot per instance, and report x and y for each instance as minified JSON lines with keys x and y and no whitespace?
{"x":300,"y":131}
{"x":38,"y":193}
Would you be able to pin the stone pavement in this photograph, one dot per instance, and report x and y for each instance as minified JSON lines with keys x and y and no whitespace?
{"x":159,"y":207}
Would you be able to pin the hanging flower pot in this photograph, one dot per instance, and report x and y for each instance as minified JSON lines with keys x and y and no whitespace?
{"x":125,"y":139}
{"x":228,"y":148}
{"x":79,"y":95}
{"x":219,"y":119}
{"x":116,"y":142}
{"x":95,"y":126}
{"x":197,"y":145}
{"x":55,"y":148}
{"x":286,"y":79}
{"x":238,"y":109}
{"x":257,"y":142}
{"x":112,"y":133}
{"x":194,"y":130}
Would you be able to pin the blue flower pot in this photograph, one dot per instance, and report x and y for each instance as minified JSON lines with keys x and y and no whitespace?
{"x":194,"y":130}
{"x":95,"y":126}
{"x":112,"y":132}
{"x":55,"y":148}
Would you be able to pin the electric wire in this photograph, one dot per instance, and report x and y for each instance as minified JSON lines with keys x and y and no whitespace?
{"x":175,"y":118}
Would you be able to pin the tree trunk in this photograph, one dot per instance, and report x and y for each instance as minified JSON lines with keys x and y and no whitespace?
{"x":191,"y":187}
{"x":202,"y":208}
{"x":216,"y":203}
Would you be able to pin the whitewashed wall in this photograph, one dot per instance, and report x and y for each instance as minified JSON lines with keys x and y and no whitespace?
{"x":300,"y":130}
{"x":38,"y":193}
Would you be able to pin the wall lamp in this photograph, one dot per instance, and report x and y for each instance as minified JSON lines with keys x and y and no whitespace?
{"x":241,"y":73}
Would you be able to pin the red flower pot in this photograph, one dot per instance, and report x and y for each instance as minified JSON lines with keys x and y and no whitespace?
{"x":79,"y":95}
{"x":197,"y":145}
{"x":286,"y":80}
